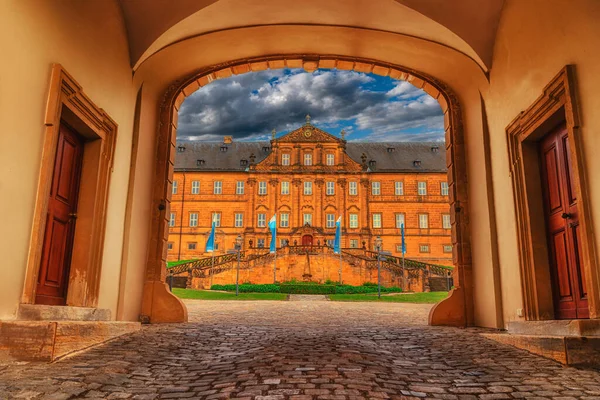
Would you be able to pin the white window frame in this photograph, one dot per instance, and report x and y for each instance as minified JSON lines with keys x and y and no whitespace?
{"x":330,"y":242}
{"x":284,"y":220}
{"x":353,"y":188}
{"x":400,"y":219}
{"x":218,"y":219}
{"x":262,"y":188}
{"x":330,"y":159}
{"x":308,"y":188}
{"x":447,"y":248}
{"x":285,"y":159}
{"x":446,"y":222}
{"x":218,"y":187}
{"x":307,"y":218}
{"x":377,"y":220}
{"x":238,"y":220}
{"x":423,"y":221}
{"x":239,"y":187}
{"x":192,"y":246}
{"x":261,"y":220}
{"x":193,"y":220}
{"x":170,"y":246}
{"x":376,"y":188}
{"x":422,"y":188}
{"x":444,"y":189}
{"x":354,"y":243}
{"x":330,"y":220}
{"x":330,"y":188}
{"x":285,"y":187}
{"x":399,"y":188}
{"x":260,"y":243}
{"x":172,"y":218}
{"x":308,"y":159}
{"x":353,"y":220}
{"x":195,"y":187}
{"x":174,"y":187}
{"x":424,"y":248}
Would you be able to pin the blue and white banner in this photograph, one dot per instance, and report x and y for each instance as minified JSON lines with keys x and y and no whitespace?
{"x":337,"y":242}
{"x":273,"y":228}
{"x":210,"y":243}
{"x":403,"y":242}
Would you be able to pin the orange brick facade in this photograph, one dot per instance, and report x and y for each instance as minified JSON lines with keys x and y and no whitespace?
{"x":308,"y":179}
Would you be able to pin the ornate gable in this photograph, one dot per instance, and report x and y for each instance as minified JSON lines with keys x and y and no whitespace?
{"x":308,"y":133}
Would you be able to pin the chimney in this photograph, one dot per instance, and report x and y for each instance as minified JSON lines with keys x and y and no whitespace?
{"x":227,"y":139}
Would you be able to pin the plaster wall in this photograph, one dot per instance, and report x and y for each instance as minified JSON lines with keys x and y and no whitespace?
{"x":88,"y":38}
{"x":535,"y":40}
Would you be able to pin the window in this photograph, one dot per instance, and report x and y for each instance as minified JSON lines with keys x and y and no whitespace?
{"x":307,"y":159}
{"x":447,"y":248}
{"x":376,"y":220}
{"x":260,"y":243}
{"x":399,"y":188}
{"x":307,"y":188}
{"x":282,"y":242}
{"x":330,"y":159}
{"x":375,"y":188}
{"x":353,"y":220}
{"x":423,"y":221}
{"x":307,"y":219}
{"x":398,"y":248}
{"x":192,"y":246}
{"x":446,"y":221}
{"x":174,"y":188}
{"x":329,"y":242}
{"x":262,"y":188}
{"x":170,"y":246}
{"x":239,"y":187}
{"x":239,"y":220}
{"x":444,"y":190}
{"x":172,"y":219}
{"x":216,"y":217}
{"x":354,"y":243}
{"x":195,"y":187}
{"x":193,"y":219}
{"x":330,"y":191}
{"x":353,"y":189}
{"x":423,"y":248}
{"x":285,"y":187}
{"x":400,"y":221}
{"x":218,"y":187}
{"x":284,"y":220}
{"x":262,"y":220}
{"x":330,"y":221}
{"x":422,"y":188}
{"x":285,"y":159}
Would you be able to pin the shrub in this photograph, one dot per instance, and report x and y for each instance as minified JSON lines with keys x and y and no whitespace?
{"x":307,"y":289}
{"x":348,"y":289}
{"x":248,"y":288}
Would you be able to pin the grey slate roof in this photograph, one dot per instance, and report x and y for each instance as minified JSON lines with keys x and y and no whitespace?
{"x":401,"y":159}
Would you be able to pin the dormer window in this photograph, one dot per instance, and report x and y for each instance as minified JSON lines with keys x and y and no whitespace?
{"x":200,"y":163}
{"x":417,"y":163}
{"x":223,"y":149}
{"x":266,"y":149}
{"x":243,"y":163}
{"x":435,"y":149}
{"x":180,"y":149}
{"x":391,"y":149}
{"x":372,"y":163}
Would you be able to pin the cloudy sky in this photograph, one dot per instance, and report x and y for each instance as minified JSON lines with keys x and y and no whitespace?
{"x":368,"y":107}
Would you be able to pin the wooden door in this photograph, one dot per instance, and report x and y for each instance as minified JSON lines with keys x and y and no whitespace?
{"x":307,"y":240}
{"x":563,"y":229}
{"x":60,"y":223}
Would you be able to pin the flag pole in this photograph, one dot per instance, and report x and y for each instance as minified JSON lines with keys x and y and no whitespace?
{"x":403,"y":251}
{"x":340,"y":272}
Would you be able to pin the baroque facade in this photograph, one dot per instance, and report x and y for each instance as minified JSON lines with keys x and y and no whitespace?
{"x":309,"y":178}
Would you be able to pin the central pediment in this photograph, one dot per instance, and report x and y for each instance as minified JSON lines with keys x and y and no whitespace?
{"x":309,"y":133}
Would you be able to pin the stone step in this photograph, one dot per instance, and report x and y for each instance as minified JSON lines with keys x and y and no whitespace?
{"x":39,"y":312}
{"x":564,"y":327}
{"x":51,"y":340}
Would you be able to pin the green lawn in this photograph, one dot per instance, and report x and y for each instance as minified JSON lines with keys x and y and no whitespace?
{"x":208,"y":295}
{"x":428,"y":298}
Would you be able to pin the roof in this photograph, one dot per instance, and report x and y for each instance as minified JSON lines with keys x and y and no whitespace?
{"x":400,"y":158}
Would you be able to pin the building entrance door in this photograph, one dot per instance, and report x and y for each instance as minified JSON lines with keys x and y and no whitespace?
{"x":53,"y":275}
{"x":307,"y":240}
{"x":562,"y":224}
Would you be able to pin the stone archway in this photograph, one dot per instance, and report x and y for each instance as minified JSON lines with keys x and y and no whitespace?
{"x":159,"y":305}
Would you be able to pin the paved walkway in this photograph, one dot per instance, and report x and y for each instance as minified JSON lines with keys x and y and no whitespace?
{"x":301,"y":350}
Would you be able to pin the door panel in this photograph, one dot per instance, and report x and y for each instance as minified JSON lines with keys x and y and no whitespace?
{"x":60,"y":226}
{"x":307,"y":240}
{"x":562,"y":224}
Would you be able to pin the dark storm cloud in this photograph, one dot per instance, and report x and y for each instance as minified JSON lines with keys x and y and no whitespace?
{"x":249,"y":106}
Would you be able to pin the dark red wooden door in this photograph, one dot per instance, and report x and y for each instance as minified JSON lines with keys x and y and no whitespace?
{"x":564,"y":233}
{"x":307,"y":240}
{"x":60,"y":224}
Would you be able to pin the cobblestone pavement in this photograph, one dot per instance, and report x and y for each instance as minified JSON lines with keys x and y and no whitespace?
{"x":301,"y":350}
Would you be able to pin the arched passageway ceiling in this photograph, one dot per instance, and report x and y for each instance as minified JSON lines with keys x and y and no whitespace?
{"x":185,"y":58}
{"x":467,"y":26}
